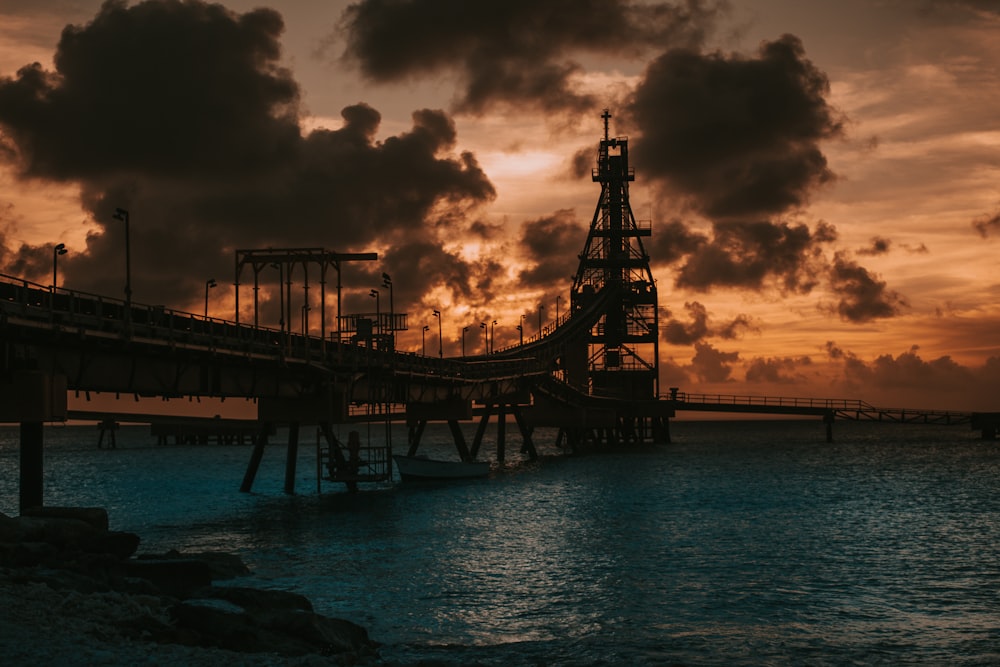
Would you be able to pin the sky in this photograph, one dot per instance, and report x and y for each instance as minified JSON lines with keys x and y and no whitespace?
{"x":821,"y":178}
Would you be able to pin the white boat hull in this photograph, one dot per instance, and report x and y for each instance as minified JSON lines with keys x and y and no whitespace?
{"x":416,"y":467}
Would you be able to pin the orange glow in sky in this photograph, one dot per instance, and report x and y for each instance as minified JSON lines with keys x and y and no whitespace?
{"x":821,"y":177}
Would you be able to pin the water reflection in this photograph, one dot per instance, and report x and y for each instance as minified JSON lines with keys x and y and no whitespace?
{"x":739,"y":544}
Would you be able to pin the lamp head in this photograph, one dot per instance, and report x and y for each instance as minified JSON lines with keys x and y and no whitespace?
{"x":120,"y":214}
{"x":210,"y":282}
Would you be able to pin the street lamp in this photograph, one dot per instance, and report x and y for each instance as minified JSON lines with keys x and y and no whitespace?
{"x":56,"y":251}
{"x":464,"y":329}
{"x":493,"y":337}
{"x":558,"y":299}
{"x":378,"y":310}
{"x":281,"y":296}
{"x":520,"y":330}
{"x":437,"y":314}
{"x":387,"y":282}
{"x":210,"y":283}
{"x":540,"y":309}
{"x":122,"y":214}
{"x":423,"y":340}
{"x":486,"y":338}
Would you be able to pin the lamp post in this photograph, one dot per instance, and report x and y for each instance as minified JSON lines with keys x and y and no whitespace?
{"x":423,"y":340}
{"x":540,"y":309}
{"x":387,"y":282}
{"x":122,"y":214}
{"x":486,"y":339}
{"x":558,"y":299}
{"x":56,"y":251}
{"x":464,"y":329}
{"x":305,"y":318}
{"x":520,"y":330}
{"x":281,"y":296}
{"x":437,"y":314}
{"x":378,"y":310}
{"x":493,"y":337}
{"x":209,"y":284}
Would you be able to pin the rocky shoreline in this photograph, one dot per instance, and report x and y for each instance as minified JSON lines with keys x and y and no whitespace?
{"x":73,"y":592}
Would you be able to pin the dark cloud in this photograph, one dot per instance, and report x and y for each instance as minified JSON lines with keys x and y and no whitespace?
{"x":956,"y":10}
{"x":672,"y":241}
{"x":904,"y":380}
{"x":987,"y":224}
{"x":419,"y":265}
{"x":155,"y":88}
{"x":833,"y":350}
{"x":750,"y":254}
{"x":517,"y":51}
{"x":179,"y":112}
{"x":712,"y":365}
{"x":863,"y":297}
{"x":673,"y":374}
{"x":680,"y":333}
{"x":920,"y":249}
{"x":736,"y":327}
{"x":551,"y":245}
{"x":776,"y":370}
{"x":878,"y":246}
{"x":698,"y":327}
{"x":737,"y":137}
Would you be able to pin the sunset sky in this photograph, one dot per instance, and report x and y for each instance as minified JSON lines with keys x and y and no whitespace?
{"x":823,"y":177}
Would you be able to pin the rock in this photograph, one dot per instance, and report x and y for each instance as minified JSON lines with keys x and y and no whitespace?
{"x":209,"y":625}
{"x":97,"y":517}
{"x":223,"y":565}
{"x":254,"y":621}
{"x":58,"y":531}
{"x":115,"y":543}
{"x":178,"y":577}
{"x":329,"y":635}
{"x":27,"y":554}
{"x":256,"y":600}
{"x":63,"y":580}
{"x":10,"y":529}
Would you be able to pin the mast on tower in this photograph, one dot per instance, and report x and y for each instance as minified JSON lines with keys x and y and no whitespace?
{"x":622,"y":350}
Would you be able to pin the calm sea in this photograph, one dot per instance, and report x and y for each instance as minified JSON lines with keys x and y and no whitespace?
{"x":742,"y":543}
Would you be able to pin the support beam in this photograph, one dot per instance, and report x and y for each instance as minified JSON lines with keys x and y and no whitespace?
{"x":415,"y":434}
{"x":255,"y":457}
{"x":291,"y":457}
{"x":529,"y":446}
{"x":477,"y":441}
{"x":31,"y":465}
{"x":828,"y":421}
{"x":459,"y":438}
{"x":501,"y":433}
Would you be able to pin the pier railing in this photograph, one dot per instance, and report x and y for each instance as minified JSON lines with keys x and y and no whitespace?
{"x":47,"y":308}
{"x":841,"y":408}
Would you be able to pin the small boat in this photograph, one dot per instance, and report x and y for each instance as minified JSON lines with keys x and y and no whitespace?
{"x":421,"y":467}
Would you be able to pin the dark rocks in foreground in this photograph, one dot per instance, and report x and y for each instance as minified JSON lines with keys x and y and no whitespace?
{"x":71,"y":549}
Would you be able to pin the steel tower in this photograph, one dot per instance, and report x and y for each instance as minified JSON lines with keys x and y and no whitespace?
{"x":621,"y":356}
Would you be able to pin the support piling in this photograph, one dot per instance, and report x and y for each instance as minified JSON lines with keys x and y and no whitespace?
{"x":31,"y":465}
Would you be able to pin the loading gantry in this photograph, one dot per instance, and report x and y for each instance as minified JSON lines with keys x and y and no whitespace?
{"x":621,"y":358}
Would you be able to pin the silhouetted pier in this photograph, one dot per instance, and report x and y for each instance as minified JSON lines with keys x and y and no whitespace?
{"x":592,"y":372}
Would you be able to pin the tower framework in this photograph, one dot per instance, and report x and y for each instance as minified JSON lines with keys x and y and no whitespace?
{"x":622,"y":351}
